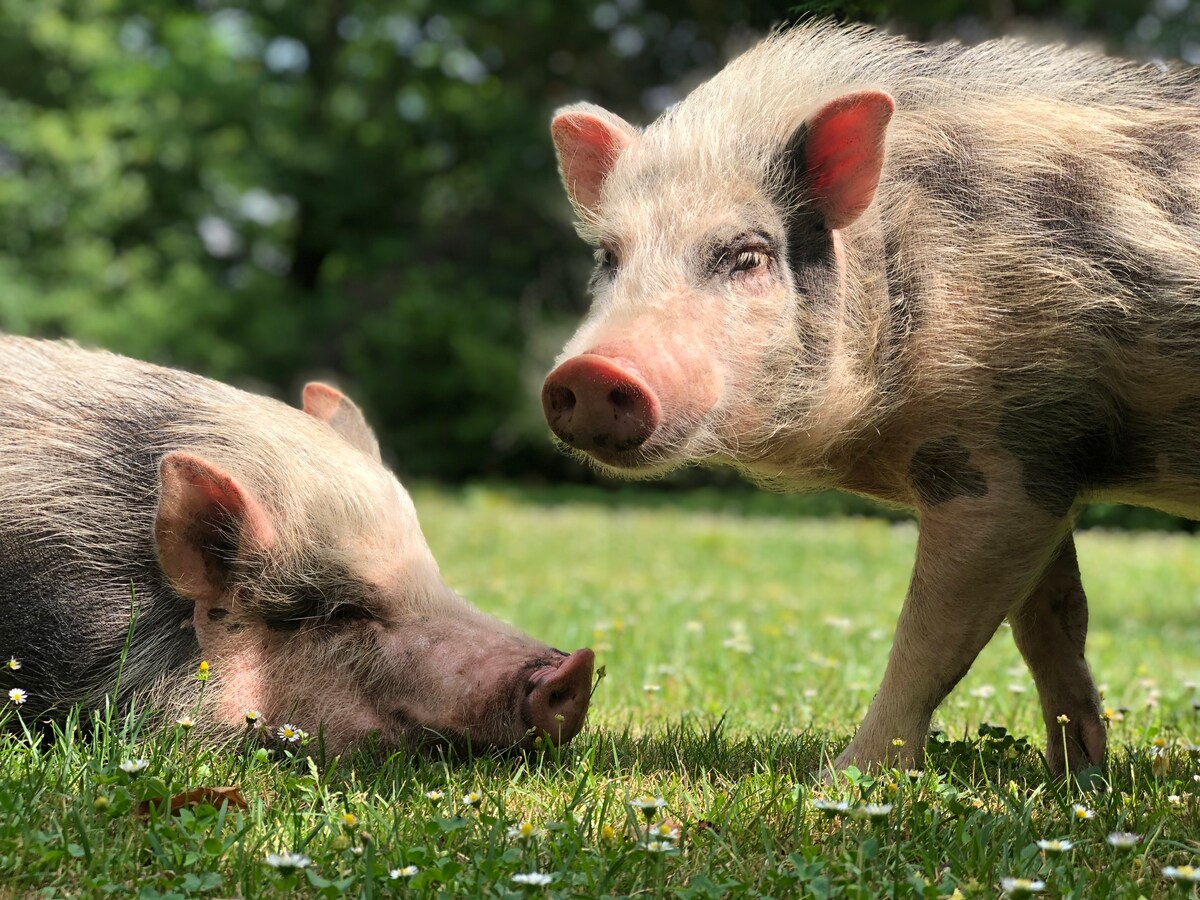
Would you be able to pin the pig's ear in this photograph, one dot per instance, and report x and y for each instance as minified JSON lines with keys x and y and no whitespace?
{"x":834,"y":159}
{"x":205,"y":521}
{"x":588,"y":140}
{"x":332,"y":406}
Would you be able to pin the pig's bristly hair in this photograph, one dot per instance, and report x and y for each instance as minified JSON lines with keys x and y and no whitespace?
{"x":1036,"y":218}
{"x":84,"y":435}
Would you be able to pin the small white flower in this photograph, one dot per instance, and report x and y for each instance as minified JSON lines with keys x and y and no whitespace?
{"x":664,"y":832}
{"x":1059,"y":846}
{"x":648,"y":804}
{"x":1021,"y":887}
{"x":983,"y":692}
{"x":252,"y":716}
{"x":1016,"y":688}
{"x":651,"y":688}
{"x":1182,"y":873}
{"x":522,"y":831}
{"x":1175,"y":799}
{"x":1124,"y":840}
{"x":13,"y":663}
{"x":656,"y":846}
{"x":434,"y":796}
{"x":288,"y":861}
{"x":134,"y":766}
{"x":473,"y":799}
{"x":534,"y":879}
{"x":289,"y":733}
{"x":831,"y":807}
{"x":406,"y":872}
{"x":185,"y":723}
{"x":1081,"y":812}
{"x":17,"y":696}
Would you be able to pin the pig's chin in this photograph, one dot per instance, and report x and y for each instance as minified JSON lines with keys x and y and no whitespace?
{"x":663,"y":452}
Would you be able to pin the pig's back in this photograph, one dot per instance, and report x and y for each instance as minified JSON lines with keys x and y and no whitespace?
{"x":81,"y":437}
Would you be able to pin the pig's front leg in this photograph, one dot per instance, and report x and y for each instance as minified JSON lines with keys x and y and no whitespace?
{"x":1050,"y":629}
{"x":977,"y":557}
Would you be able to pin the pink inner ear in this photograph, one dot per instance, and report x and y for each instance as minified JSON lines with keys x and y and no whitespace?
{"x":321,"y":401}
{"x":844,"y":154}
{"x":219,"y":491}
{"x":587,"y":148}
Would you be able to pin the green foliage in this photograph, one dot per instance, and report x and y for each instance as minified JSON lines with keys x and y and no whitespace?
{"x":740,"y":651}
{"x":268,"y":190}
{"x":260,"y":190}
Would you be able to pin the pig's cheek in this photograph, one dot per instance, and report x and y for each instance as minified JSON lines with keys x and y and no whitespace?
{"x":236,"y":652}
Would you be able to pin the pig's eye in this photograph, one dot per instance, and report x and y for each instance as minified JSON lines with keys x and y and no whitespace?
{"x":606,"y":258}
{"x":348,"y":613}
{"x":748,"y":261}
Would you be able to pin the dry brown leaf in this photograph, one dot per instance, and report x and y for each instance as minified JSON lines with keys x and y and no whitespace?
{"x":231,"y":794}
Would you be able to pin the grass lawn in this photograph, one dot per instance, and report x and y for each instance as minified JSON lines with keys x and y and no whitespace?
{"x":739,"y":652}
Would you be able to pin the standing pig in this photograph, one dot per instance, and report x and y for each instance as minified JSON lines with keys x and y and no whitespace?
{"x":966,"y":280}
{"x":269,"y":541}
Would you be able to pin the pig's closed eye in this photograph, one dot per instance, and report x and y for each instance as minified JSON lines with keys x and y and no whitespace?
{"x":348,"y":613}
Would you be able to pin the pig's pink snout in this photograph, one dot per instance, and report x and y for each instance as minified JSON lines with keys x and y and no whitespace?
{"x":558,"y":699}
{"x":593,"y":404}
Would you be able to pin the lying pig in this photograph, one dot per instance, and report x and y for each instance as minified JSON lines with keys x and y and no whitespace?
{"x":270,"y":542}
{"x":966,"y":280}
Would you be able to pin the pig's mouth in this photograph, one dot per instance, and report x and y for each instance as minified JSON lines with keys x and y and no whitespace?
{"x":545,"y":704}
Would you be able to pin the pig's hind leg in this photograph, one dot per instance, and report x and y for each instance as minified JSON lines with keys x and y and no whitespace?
{"x":1050,"y":629}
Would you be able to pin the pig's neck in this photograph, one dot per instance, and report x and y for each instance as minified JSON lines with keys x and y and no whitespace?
{"x":862,"y":408}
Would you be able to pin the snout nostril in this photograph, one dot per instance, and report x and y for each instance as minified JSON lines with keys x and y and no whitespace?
{"x":562,"y":399}
{"x":621,"y":399}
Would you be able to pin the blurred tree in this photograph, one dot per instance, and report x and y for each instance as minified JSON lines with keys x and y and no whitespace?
{"x":264,"y":189}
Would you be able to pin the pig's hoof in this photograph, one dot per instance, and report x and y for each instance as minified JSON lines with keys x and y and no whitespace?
{"x":1086,"y":740}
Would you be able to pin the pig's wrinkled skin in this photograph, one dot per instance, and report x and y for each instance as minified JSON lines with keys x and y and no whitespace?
{"x":270,"y":542}
{"x":966,"y":280}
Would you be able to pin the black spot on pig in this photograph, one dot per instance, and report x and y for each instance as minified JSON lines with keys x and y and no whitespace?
{"x":1067,"y":444}
{"x":954,"y":176}
{"x":810,"y":255}
{"x":1068,"y":205}
{"x":941,"y":470}
{"x":1168,"y":152}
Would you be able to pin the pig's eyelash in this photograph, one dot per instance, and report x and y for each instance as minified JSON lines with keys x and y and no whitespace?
{"x":308,"y":604}
{"x":606,"y":258}
{"x":743,"y":254}
{"x":747,"y":260}
{"x":606,"y":267}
